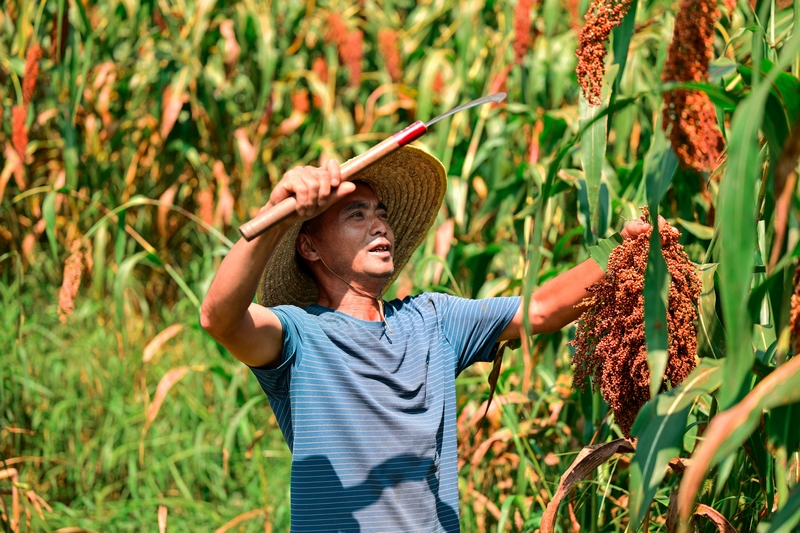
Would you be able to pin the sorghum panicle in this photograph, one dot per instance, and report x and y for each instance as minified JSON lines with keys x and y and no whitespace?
{"x":350,"y":45}
{"x":19,"y":131}
{"x":694,"y":133}
{"x":522,"y":29}
{"x":32,"y":58}
{"x":601,"y":17}
{"x":387,"y":42}
{"x":610,"y":343}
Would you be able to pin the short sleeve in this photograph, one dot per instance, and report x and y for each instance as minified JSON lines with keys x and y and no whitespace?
{"x":275,"y":381}
{"x":472,"y":327}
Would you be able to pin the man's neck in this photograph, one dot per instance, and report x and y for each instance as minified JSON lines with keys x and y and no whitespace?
{"x":357,"y":299}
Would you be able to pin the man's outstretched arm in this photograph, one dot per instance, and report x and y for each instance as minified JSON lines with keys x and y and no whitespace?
{"x":557,"y":303}
{"x":252,"y":333}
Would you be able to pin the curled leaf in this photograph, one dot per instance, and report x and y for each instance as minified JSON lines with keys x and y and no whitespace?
{"x":158,"y":341}
{"x":588,"y":459}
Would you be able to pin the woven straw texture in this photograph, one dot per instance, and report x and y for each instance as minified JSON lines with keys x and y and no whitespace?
{"x":410,"y":182}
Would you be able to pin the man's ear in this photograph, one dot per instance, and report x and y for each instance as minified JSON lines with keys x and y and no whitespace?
{"x":306,"y":248}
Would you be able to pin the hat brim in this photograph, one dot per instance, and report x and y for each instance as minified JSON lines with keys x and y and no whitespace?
{"x":411,"y":183}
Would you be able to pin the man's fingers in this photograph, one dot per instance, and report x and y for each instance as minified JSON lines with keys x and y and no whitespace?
{"x":332,"y":166}
{"x":342,"y":190}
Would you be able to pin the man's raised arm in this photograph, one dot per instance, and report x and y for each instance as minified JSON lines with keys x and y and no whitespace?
{"x":252,"y":333}
{"x":557,"y":303}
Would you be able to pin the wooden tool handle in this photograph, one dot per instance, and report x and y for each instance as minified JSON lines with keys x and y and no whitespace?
{"x":261,"y":223}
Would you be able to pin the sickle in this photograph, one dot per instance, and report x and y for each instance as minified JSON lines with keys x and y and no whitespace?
{"x":267,"y":219}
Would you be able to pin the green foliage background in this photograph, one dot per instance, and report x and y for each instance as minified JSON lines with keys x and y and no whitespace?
{"x":152,"y":139}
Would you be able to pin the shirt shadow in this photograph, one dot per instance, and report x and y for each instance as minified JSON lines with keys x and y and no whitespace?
{"x":320,"y":483}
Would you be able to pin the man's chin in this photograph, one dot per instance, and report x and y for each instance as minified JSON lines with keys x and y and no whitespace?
{"x":384,"y":273}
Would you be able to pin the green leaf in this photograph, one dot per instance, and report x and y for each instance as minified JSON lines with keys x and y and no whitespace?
{"x":656,"y":291}
{"x":621,"y":42}
{"x":49,"y":215}
{"x":659,"y":427}
{"x":736,"y":222}
{"x":784,"y":427}
{"x":660,"y":166}
{"x":698,"y":230}
{"x":593,"y":145}
{"x":710,"y":334}
{"x":603,"y":248}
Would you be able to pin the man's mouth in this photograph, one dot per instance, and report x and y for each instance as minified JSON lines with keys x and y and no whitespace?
{"x":381,"y":248}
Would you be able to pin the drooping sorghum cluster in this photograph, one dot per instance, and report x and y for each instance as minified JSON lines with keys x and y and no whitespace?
{"x":794,"y":319}
{"x":522,"y":29}
{"x":601,"y":17}
{"x":694,"y":133}
{"x":610,"y":343}
{"x":80,"y":258}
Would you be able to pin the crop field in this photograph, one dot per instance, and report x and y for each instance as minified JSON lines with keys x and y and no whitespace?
{"x":137,"y":135}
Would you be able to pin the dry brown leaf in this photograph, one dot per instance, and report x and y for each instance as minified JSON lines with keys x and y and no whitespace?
{"x":224,"y":211}
{"x":173,"y":101}
{"x":14,"y":475}
{"x":513,"y":397}
{"x":723,"y":526}
{"x":239,"y":519}
{"x":158,"y":341}
{"x":170,"y":378}
{"x":205,"y":201}
{"x":162,"y":519}
{"x":166,"y":200}
{"x":785,"y":179}
{"x":246,"y":150}
{"x":672,"y":518}
{"x":38,"y":503}
{"x":503,"y":435}
{"x":232,"y":48}
{"x":588,"y":459}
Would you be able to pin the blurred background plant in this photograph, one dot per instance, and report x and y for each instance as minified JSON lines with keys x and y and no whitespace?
{"x":138,"y":134}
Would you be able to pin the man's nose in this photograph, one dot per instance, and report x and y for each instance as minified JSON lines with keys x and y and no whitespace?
{"x":380,"y":226}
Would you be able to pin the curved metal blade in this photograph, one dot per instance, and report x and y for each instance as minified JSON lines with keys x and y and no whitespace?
{"x":496,"y":98}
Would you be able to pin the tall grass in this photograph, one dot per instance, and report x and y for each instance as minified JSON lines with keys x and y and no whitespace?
{"x":154,"y":128}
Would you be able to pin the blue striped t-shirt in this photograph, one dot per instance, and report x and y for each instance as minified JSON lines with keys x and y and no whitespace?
{"x":370,"y":414}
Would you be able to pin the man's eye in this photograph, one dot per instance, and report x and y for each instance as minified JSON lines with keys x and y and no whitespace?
{"x":383,"y":215}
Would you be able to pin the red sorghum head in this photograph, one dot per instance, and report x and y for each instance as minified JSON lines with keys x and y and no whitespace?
{"x":694,"y":133}
{"x":610,"y":343}
{"x":352,"y":51}
{"x":32,"y":58}
{"x":522,"y":29}
{"x":19,"y":131}
{"x":601,"y":17}
{"x":387,"y":43}
{"x":349,"y":43}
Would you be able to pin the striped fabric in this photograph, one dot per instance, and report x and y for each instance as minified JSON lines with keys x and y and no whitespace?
{"x":370,"y":414}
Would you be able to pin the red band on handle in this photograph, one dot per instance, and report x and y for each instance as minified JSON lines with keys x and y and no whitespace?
{"x":410,"y":133}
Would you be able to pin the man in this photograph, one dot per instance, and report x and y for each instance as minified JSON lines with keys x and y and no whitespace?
{"x":364,"y":390}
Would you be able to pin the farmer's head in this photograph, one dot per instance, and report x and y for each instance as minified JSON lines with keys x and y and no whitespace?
{"x":366,"y":238}
{"x":352,"y":237}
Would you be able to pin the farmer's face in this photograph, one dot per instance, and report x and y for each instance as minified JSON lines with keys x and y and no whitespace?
{"x":354,"y":239}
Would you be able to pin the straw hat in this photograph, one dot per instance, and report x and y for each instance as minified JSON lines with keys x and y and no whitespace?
{"x":409,"y":181}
